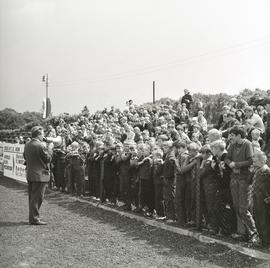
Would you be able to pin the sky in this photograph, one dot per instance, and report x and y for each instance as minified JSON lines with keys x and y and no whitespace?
{"x":101,"y":53}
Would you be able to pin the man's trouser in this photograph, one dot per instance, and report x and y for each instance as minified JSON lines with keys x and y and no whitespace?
{"x":169,"y":198}
{"x":159,"y":200}
{"x":147,"y":194}
{"x":262,"y":217}
{"x":181,"y":200}
{"x":209,"y":191}
{"x":36,"y":191}
{"x":226,"y":217}
{"x":124,"y":187}
{"x":78,"y":178}
{"x":191,"y":199}
{"x":59,"y":170}
{"x":240,"y":190}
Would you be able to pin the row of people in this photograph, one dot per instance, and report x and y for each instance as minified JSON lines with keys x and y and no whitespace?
{"x":210,"y":186}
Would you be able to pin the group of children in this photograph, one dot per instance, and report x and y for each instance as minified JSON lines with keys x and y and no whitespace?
{"x":173,"y":182}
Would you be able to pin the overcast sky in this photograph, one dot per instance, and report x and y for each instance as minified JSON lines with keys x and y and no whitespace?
{"x":103,"y":52}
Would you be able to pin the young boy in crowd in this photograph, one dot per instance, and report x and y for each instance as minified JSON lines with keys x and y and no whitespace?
{"x":239,"y":159}
{"x":182,"y":167}
{"x":208,"y":182}
{"x":75,"y":163}
{"x":196,"y":135}
{"x":226,"y":218}
{"x":124,"y":166}
{"x":169,"y":180}
{"x":191,"y":175}
{"x":146,"y":192}
{"x":134,"y":180}
{"x":158,"y":180}
{"x":108,"y":171}
{"x":261,"y":196}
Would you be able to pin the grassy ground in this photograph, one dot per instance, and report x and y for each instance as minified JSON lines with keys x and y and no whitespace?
{"x":80,"y":235}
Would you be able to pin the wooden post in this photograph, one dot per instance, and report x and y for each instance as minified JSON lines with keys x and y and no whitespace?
{"x":154,"y":92}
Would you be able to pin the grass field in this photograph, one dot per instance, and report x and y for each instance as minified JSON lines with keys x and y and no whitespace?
{"x":81,"y":235}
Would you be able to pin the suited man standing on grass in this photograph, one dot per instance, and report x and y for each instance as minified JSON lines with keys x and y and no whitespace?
{"x":37,"y":157}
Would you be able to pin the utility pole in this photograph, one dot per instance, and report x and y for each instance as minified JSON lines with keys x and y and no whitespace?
{"x":47,"y":102}
{"x":154,"y":92}
{"x":47,"y":86}
{"x":45,"y":78}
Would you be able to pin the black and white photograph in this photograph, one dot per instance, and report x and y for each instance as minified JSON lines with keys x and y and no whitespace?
{"x":134,"y":134}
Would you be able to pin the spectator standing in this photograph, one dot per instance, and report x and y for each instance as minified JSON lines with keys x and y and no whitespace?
{"x":169,"y":180}
{"x":255,"y":120}
{"x":239,"y":159}
{"x":261,"y":196}
{"x":187,"y":99}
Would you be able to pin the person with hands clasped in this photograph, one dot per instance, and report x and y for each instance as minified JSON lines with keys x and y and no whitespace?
{"x":239,"y":159}
{"x":146,"y":192}
{"x":158,"y":180}
{"x":261,"y":196}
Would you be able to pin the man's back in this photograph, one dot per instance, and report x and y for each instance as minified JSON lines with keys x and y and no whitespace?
{"x":37,"y":158}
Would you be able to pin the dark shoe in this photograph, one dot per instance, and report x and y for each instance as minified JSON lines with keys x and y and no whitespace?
{"x":137,"y":210}
{"x":127,"y":208}
{"x":38,"y":223}
{"x":190,"y":224}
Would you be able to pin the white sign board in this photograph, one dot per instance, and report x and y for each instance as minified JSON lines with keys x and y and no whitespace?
{"x":1,"y":157}
{"x":14,"y":162}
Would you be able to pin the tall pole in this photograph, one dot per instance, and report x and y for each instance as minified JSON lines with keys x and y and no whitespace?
{"x":154,"y":92}
{"x":47,"y":87}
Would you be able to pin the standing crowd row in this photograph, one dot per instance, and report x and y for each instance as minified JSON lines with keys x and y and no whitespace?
{"x":170,"y":166}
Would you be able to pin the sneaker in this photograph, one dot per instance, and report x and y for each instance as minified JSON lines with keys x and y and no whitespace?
{"x":148,"y":214}
{"x":161,"y":218}
{"x":255,"y":239}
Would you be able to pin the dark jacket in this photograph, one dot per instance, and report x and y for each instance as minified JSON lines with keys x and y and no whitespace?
{"x":206,"y":173}
{"x":37,"y":158}
{"x":187,"y":99}
{"x":145,"y":170}
{"x":158,"y":173}
{"x":169,"y":166}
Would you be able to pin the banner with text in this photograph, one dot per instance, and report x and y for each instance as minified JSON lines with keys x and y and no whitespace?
{"x":13,"y":161}
{"x":1,"y":157}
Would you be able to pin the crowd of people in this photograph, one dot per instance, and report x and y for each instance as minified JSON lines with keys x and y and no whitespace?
{"x":167,"y":163}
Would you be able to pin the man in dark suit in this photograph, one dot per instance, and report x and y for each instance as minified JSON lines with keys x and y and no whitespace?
{"x":37,"y":157}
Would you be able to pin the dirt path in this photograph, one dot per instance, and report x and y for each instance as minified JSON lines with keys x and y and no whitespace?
{"x":80,"y":235}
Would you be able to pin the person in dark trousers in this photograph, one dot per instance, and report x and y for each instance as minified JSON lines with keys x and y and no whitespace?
{"x":37,"y":157}
{"x":108,"y":167}
{"x":190,"y":170}
{"x":239,"y":159}
{"x":181,"y":182}
{"x":169,"y":180}
{"x":146,"y":192}
{"x":158,"y":181}
{"x":76,"y":176}
{"x":134,"y":180}
{"x":226,"y":217}
{"x":123,"y":161}
{"x":261,"y":196}
{"x":207,"y":177}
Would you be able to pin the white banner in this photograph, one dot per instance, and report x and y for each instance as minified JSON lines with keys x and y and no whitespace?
{"x":14,"y":162}
{"x":1,"y":157}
